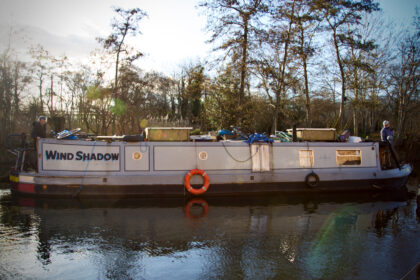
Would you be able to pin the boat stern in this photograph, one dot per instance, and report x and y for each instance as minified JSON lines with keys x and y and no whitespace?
{"x":22,"y":183}
{"x":393,"y":179}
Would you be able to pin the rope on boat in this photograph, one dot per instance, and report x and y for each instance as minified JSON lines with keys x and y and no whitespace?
{"x":411,"y":271}
{"x":237,"y":160}
{"x":146,"y":145}
{"x":76,"y":193}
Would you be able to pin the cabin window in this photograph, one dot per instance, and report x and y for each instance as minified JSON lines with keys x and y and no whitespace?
{"x":349,"y":157}
{"x":306,"y":158}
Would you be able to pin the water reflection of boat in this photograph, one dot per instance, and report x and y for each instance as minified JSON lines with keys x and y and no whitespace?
{"x":163,"y":218}
{"x":252,"y":236}
{"x":100,"y":168}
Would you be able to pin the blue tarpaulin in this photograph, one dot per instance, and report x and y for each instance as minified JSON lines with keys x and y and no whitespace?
{"x":256,"y":137}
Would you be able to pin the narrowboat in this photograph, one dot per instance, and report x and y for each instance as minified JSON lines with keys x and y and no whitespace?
{"x":105,"y":167}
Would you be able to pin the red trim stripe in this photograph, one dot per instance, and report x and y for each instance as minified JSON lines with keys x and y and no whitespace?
{"x":26,"y":188}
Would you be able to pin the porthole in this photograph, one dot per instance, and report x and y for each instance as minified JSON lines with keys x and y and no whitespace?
{"x":137,"y":156}
{"x":203,"y":155}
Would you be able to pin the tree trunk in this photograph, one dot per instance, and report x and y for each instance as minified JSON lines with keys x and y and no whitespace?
{"x":115,"y":94}
{"x":40,"y":95}
{"x":116,"y":71}
{"x":304,"y":57}
{"x":340,"y":119}
{"x":15,"y":96}
{"x":276,"y":114}
{"x":282,"y":85}
{"x":52,"y":96}
{"x":356,"y":105}
{"x":308,"y":100}
{"x":244,"y":59}
{"x":401,"y":115}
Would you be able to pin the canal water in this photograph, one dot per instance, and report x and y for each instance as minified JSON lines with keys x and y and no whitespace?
{"x":316,"y":236}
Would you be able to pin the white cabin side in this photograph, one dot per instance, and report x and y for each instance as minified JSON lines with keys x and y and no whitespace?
{"x":117,"y":158}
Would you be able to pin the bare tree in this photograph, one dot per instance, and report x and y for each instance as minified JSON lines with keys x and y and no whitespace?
{"x":41,"y":67}
{"x":405,"y":79}
{"x":273,"y":66}
{"x":307,"y":26}
{"x":125,"y":23}
{"x":341,"y":18}
{"x":235,"y":24}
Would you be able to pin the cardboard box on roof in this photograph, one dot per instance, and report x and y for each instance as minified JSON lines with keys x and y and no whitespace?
{"x":315,"y":134}
{"x":168,"y":133}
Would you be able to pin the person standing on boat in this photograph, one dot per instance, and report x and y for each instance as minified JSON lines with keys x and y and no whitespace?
{"x":387,"y":134}
{"x":39,"y":129}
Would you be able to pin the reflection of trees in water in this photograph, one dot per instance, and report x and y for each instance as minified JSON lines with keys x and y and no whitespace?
{"x":332,"y":252}
{"x":4,"y":173}
{"x":11,"y":216}
{"x":44,"y":247}
{"x":418,"y":208}
{"x":268,"y":246}
{"x":120,"y":263}
{"x":382,"y":219}
{"x":20,"y":222}
{"x":119,"y":239}
{"x":395,"y":219}
{"x":260,"y":247}
{"x":247,"y":241}
{"x":397,"y":238}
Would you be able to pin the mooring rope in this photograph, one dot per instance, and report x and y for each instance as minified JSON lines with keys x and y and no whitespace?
{"x":411,"y":271}
{"x":146,"y":145}
{"x":237,"y":160}
{"x":76,"y":193}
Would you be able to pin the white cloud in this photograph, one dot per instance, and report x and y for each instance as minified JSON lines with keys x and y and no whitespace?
{"x":171,"y":35}
{"x":21,"y":38}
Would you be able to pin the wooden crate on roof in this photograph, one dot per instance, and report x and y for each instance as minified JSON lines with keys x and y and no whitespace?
{"x":168,"y":133}
{"x":315,"y":134}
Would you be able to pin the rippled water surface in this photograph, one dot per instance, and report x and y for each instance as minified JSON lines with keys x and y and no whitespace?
{"x":340,"y":236}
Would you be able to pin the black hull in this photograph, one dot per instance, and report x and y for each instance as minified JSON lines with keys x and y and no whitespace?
{"x":214,"y":190}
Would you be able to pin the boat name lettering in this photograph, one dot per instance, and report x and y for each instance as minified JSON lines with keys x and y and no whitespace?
{"x":79,"y":155}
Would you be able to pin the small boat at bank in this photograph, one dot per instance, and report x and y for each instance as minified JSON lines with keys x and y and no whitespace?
{"x":156,"y":168}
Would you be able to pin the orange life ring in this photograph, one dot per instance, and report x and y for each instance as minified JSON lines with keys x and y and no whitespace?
{"x":196,"y":201}
{"x":201,"y":190}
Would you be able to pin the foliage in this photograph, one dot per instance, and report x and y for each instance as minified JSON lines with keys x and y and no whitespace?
{"x":234,"y":26}
{"x":118,"y":108}
{"x":125,"y":23}
{"x":341,"y":18}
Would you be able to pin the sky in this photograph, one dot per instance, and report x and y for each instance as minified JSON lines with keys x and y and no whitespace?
{"x":173,"y":34}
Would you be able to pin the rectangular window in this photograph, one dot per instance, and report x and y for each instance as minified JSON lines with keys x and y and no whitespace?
{"x":306,"y":158}
{"x":349,"y":157}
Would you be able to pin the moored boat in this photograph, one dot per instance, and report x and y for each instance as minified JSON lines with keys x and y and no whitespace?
{"x":122,"y":168}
